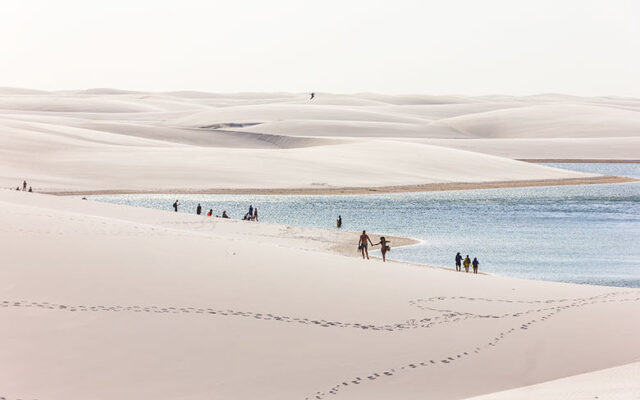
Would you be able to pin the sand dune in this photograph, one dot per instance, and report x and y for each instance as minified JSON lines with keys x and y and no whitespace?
{"x":104,"y":301}
{"x":119,"y":302}
{"x":114,"y":139}
{"x":611,"y":383}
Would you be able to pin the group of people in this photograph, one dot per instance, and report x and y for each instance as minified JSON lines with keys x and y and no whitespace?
{"x":466,"y":262}
{"x":251,"y":215}
{"x":24,"y":187}
{"x":363,"y":246}
{"x":176,"y":204}
{"x":365,"y":241}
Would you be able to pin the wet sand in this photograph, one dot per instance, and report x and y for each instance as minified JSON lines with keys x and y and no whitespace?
{"x":430,"y":187}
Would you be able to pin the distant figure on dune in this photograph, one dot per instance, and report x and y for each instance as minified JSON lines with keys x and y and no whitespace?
{"x":199,"y":209}
{"x":467,"y":262}
{"x":363,"y":244}
{"x":224,"y":214}
{"x":175,"y":206}
{"x":458,"y":262}
{"x":339,"y":221}
{"x":210,"y":213}
{"x":384,"y":247}
{"x":475,"y":265}
{"x":24,"y":186}
{"x":312,"y":96}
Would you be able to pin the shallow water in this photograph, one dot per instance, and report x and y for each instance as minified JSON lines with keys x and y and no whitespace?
{"x":581,"y":234}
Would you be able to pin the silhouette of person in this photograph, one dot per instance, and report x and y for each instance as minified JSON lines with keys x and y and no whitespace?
{"x":339,"y":221}
{"x":24,"y":186}
{"x":175,"y":206}
{"x":458,"y":262}
{"x":475,"y":264}
{"x":312,"y":96}
{"x":199,"y":209}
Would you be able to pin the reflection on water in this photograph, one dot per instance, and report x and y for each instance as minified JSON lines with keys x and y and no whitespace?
{"x":583,"y":234}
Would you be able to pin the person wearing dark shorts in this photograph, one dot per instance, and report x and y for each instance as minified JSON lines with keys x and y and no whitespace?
{"x":458,"y":262}
{"x":363,"y":244}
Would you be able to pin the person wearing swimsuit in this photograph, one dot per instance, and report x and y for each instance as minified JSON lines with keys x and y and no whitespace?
{"x":363,"y":244}
{"x":385,"y":247}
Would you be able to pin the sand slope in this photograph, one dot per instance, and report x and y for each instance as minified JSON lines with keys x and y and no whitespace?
{"x":104,"y":301}
{"x":611,"y":383}
{"x":108,"y":139}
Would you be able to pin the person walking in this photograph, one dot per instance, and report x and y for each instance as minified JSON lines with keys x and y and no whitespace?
{"x":475,"y":264}
{"x":339,"y":221}
{"x":199,"y":209}
{"x":458,"y":262}
{"x":363,"y":244}
{"x":24,"y":186}
{"x":175,"y":206}
{"x":384,"y":247}
{"x":467,"y":262}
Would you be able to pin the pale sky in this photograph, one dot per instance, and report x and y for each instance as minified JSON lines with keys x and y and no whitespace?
{"x":398,"y":46}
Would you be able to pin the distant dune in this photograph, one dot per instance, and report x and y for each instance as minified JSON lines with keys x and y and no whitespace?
{"x":114,"y":139}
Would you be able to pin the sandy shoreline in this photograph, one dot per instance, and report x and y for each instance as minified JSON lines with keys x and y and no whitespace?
{"x":579,"y":160}
{"x":157,"y":302}
{"x":109,"y":301}
{"x":430,"y":187}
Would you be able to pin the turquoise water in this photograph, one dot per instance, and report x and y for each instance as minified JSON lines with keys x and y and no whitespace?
{"x":581,"y":234}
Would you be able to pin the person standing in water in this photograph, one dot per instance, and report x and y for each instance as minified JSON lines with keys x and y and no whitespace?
{"x":199,"y":209}
{"x":250,"y":210}
{"x":467,"y":262}
{"x":255,"y":214}
{"x":475,"y":264}
{"x":458,"y":262}
{"x":175,"y":206}
{"x":384,"y":247}
{"x":339,"y":221}
{"x":363,"y":244}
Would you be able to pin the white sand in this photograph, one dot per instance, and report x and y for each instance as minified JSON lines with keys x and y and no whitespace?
{"x":106,"y":139}
{"x":611,"y":383}
{"x":103,"y":301}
